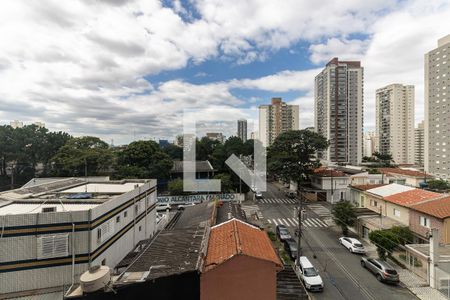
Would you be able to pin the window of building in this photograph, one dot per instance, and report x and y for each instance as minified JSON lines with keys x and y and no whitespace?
{"x":99,"y":234}
{"x":49,"y":209}
{"x":125,"y":213}
{"x":425,"y":222}
{"x":136,"y":209}
{"x":104,"y":262}
{"x":140,"y":228}
{"x":396,"y":212}
{"x":118,"y":219}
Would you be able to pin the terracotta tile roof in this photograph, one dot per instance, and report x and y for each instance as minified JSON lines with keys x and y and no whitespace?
{"x":236,"y":237}
{"x":439,"y":208}
{"x":411,"y":197}
{"x":365,"y":187}
{"x":404,"y":172}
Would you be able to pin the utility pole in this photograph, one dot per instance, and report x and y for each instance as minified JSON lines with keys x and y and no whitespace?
{"x":300,"y":233}
{"x":13,"y":167}
{"x":85,"y":175}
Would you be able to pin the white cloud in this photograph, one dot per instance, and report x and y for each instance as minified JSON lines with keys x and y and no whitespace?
{"x":80,"y":66}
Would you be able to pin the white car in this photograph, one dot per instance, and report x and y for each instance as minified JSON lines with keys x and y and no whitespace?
{"x":163,"y":207}
{"x":309,"y":275}
{"x":353,"y":245}
{"x":183,"y":206}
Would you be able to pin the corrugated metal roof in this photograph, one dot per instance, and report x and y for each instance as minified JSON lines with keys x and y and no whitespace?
{"x":390,"y":189}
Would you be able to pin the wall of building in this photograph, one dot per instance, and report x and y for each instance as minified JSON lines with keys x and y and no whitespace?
{"x":241,"y":277}
{"x":414,"y":225}
{"x":388,"y":211}
{"x":23,"y":270}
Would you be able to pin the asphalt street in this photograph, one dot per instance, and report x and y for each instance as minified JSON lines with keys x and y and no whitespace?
{"x":343,"y":276}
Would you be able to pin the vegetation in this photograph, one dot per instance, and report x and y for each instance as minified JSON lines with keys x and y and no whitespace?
{"x":143,"y":159}
{"x":176,"y":187}
{"x":82,"y":154}
{"x":344,"y":215}
{"x":389,"y":239}
{"x":225,"y":181}
{"x":292,"y":155}
{"x":438,"y":184}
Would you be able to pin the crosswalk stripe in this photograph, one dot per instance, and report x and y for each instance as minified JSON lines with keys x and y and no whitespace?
{"x":292,"y":222}
{"x":275,"y":222}
{"x":307,"y":223}
{"x":317,"y":222}
{"x":312,"y":222}
{"x":270,"y":222}
{"x":279,"y":221}
{"x":322,"y":222}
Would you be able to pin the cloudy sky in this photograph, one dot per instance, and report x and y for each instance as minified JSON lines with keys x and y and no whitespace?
{"x":126,"y":70}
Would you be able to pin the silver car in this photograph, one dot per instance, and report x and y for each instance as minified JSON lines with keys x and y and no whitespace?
{"x":382,"y":270}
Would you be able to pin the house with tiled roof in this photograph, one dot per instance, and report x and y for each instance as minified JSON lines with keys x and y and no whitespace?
{"x":405,"y":176}
{"x":240,"y":263}
{"x":434,"y":213}
{"x":392,"y":203}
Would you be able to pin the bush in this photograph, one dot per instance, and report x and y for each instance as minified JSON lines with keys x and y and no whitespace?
{"x":272,"y":236}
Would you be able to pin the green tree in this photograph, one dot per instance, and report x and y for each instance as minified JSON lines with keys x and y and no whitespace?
{"x":143,"y":159}
{"x":77,"y":153}
{"x":403,"y":234}
{"x":205,"y":147}
{"x":175,"y":152}
{"x":176,"y":187}
{"x":225,"y":181}
{"x":292,"y":155}
{"x":344,"y":215}
{"x":385,"y":159}
{"x":385,"y":241}
{"x":438,"y":184}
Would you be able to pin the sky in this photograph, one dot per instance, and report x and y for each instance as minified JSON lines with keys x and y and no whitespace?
{"x":126,"y":70}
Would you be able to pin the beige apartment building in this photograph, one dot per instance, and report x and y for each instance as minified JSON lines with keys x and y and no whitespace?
{"x":276,"y":118}
{"x":419,"y":145}
{"x":395,"y":122}
{"x":339,"y":110}
{"x":437,"y":109}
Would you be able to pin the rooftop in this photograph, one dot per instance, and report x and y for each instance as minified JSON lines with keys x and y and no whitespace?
{"x":410,"y":173}
{"x":200,"y":166}
{"x":236,"y":237}
{"x":324,"y":172}
{"x":411,"y":197}
{"x":365,"y":187}
{"x":63,"y":194}
{"x":390,"y":189}
{"x":439,"y":208}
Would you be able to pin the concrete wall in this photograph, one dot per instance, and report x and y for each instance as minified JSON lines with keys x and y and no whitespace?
{"x":241,"y":277}
{"x":389,"y":212}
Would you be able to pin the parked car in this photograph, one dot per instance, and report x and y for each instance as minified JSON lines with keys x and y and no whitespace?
{"x":258,"y":195}
{"x":309,"y":275}
{"x":290,"y":194}
{"x":183,"y":206}
{"x":290,"y":245}
{"x":382,"y":270}
{"x":163,"y":207}
{"x":352,"y":245}
{"x":283,"y":233}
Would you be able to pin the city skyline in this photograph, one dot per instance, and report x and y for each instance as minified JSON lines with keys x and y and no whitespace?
{"x":143,"y":74}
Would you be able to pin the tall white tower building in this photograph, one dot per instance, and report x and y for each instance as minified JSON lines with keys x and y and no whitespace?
{"x":339,"y":114}
{"x":437,"y":109}
{"x":395,"y":122}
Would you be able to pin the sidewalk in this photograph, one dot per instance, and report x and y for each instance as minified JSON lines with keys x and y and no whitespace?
{"x":417,"y":285}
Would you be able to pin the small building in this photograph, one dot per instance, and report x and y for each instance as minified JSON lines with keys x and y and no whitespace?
{"x":357,"y":197}
{"x":240,"y":264}
{"x":203,"y":170}
{"x":332,"y":185}
{"x":405,"y":176}
{"x":54,"y":229}
{"x":434,"y":213}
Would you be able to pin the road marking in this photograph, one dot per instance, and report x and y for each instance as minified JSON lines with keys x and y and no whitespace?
{"x":279,"y":221}
{"x":275,"y":222}
{"x":292,"y":222}
{"x":307,"y":222}
{"x":343,"y":268}
{"x":270,"y":222}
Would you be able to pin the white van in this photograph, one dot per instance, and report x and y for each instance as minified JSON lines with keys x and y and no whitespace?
{"x":309,"y":275}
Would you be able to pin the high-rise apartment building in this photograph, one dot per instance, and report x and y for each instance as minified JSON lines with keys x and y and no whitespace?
{"x":419,"y":144}
{"x":437,"y":109}
{"x":242,"y":129}
{"x":395,"y":122}
{"x":370,"y":143}
{"x":16,"y":124}
{"x":339,"y":113}
{"x":216,"y":136}
{"x":276,"y":118}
